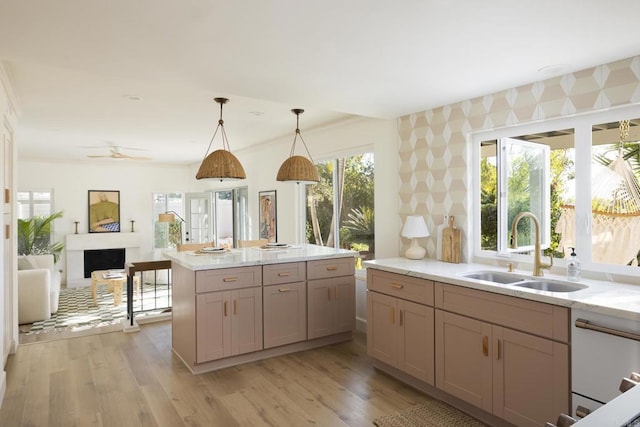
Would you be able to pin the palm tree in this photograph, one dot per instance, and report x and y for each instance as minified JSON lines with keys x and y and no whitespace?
{"x":34,"y":236}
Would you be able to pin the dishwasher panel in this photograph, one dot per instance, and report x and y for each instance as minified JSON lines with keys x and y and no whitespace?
{"x":601,"y":360}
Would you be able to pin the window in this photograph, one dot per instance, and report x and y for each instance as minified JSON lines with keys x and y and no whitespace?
{"x":34,"y":203}
{"x":167,"y":235}
{"x":343,"y":201}
{"x":594,"y":190}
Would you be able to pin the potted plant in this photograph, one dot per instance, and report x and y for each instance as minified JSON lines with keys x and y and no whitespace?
{"x":34,"y":236}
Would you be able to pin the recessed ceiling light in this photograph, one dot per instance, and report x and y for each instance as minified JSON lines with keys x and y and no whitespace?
{"x":133,"y":97}
{"x":554,"y":69}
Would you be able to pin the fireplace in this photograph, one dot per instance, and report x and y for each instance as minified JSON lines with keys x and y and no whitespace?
{"x":103,"y":259}
{"x":77,"y":245}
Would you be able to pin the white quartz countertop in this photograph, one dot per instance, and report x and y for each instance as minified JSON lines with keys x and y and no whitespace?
{"x":611,"y":298}
{"x":194,"y":260}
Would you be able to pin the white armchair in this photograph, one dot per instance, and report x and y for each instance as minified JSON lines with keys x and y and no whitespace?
{"x":38,"y":288}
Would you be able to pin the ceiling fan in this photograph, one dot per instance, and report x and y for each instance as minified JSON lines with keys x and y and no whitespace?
{"x":116,"y":153}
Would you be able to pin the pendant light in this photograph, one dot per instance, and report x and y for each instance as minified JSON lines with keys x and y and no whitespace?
{"x":220,"y":164}
{"x":298,"y":168}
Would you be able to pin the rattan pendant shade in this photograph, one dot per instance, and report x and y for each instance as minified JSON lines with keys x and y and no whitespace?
{"x":221,"y":164}
{"x":298,"y":168}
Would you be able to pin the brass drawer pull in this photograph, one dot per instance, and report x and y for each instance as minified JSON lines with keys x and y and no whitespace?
{"x":332,"y":268}
{"x":284,"y":274}
{"x":284,"y":290}
{"x":229,"y":279}
{"x":225,"y":309}
{"x":397,"y":286}
{"x":497,"y":349}
{"x":582,"y":412}
{"x":485,"y":345}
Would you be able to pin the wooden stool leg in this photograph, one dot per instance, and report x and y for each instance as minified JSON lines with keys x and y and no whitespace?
{"x":117,"y":293}
{"x":94,"y":285}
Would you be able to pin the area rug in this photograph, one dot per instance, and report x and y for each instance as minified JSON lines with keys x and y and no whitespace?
{"x":76,"y":311}
{"x":433,"y":413}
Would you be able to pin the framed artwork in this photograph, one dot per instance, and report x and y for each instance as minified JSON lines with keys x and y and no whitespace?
{"x":268,"y":221}
{"x":104,"y":211}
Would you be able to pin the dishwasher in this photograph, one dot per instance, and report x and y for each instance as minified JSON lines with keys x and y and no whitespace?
{"x":605,"y":352}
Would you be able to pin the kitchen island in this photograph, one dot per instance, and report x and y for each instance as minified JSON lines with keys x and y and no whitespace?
{"x":240,"y":305}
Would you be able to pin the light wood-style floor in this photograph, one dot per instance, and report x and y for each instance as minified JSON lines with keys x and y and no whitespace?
{"x":118,"y":379}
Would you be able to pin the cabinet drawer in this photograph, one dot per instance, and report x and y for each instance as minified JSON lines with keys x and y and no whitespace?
{"x":275,"y":274}
{"x":228,"y":278}
{"x":534,"y":317}
{"x":334,"y":267}
{"x":401,"y":286}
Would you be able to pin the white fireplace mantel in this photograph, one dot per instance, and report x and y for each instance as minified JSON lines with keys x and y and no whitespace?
{"x":76,"y":244}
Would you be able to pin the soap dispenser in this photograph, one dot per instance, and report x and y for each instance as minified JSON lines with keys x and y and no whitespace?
{"x":573,"y":267}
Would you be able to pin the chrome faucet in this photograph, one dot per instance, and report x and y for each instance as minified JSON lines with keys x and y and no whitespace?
{"x":538,"y":265}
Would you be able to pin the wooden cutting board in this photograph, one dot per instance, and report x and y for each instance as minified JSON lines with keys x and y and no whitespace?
{"x":451,"y":243}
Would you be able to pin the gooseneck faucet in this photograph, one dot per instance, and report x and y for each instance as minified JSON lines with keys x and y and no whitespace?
{"x":538,"y":265}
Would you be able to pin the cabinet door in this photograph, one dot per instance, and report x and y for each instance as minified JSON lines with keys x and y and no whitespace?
{"x":531,"y":378}
{"x":344,"y":308}
{"x":416,"y":340}
{"x":463,"y":358}
{"x":319,"y":303}
{"x":213,"y":326}
{"x":246,"y":320}
{"x":332,"y":306}
{"x":382,"y":337}
{"x":285,"y":314}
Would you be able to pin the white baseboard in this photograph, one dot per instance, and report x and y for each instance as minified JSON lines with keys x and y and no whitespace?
{"x":3,"y":386}
{"x":361,"y":324}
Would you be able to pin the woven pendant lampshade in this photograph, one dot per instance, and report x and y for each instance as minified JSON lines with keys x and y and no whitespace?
{"x":298,"y":168}
{"x":221,"y":164}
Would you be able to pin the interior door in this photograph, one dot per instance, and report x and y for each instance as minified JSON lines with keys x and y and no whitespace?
{"x":198,"y":220}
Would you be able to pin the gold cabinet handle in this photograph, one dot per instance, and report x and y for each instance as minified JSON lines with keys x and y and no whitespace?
{"x":235,"y":307}
{"x":285,"y":274}
{"x":393,"y":315}
{"x":229,"y":279}
{"x":284,"y":289}
{"x":397,"y":286}
{"x":7,"y":195}
{"x":225,"y":309}
{"x":485,"y":346}
{"x":332,"y":268}
{"x":497,"y":349}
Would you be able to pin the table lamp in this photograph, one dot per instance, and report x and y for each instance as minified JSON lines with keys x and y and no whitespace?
{"x":415,"y":227}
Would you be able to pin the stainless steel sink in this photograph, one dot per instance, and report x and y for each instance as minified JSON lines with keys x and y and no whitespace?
{"x":494,"y":276}
{"x":550,"y":285}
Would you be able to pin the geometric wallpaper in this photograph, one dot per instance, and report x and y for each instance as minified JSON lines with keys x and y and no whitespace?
{"x":433,"y":146}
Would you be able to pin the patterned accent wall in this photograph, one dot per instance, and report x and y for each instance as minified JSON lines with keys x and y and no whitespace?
{"x":434,"y":156}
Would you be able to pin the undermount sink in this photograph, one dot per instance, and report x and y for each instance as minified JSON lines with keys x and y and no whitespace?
{"x":550,"y":285}
{"x":493,"y":276}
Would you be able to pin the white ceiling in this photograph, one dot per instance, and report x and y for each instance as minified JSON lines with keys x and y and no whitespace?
{"x":74,"y":64}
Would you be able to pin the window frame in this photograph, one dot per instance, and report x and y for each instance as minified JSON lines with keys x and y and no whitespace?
{"x":582,"y":125}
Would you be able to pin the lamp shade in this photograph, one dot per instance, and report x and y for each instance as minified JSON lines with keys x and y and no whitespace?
{"x":222,"y":165}
{"x":414,"y":226}
{"x":298,"y":169}
{"x":166,"y":217}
